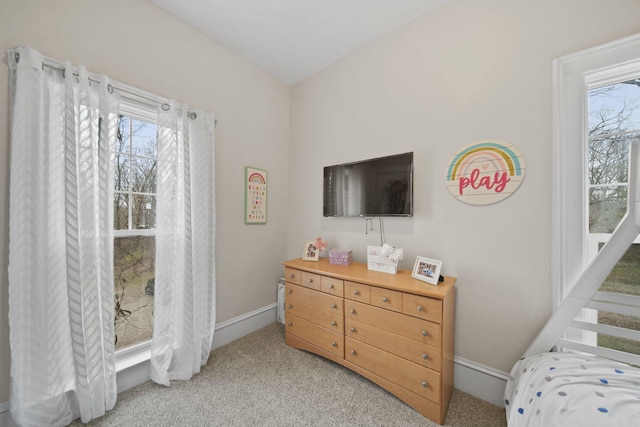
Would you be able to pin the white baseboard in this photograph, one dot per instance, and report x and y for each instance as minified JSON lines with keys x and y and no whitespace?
{"x":225,"y":332}
{"x":480,"y":381}
{"x":240,"y":326}
{"x":473,"y":378}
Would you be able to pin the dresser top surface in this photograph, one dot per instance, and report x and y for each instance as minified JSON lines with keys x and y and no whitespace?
{"x":358,"y":272}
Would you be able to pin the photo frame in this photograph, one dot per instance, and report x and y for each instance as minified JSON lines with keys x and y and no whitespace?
{"x":427,"y":270}
{"x":311,"y":251}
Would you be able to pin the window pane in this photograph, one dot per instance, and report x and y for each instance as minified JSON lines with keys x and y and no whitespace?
{"x":134,"y":272}
{"x":614,"y":121}
{"x":625,"y":276}
{"x":617,"y":343}
{"x":609,"y":159}
{"x":615,"y":107}
{"x":144,"y":139}
{"x":607,"y":206}
{"x":121,"y":172}
{"x":121,"y":212}
{"x":623,"y":279}
{"x":144,"y":211}
{"x":144,"y":175}
{"x":124,"y":136}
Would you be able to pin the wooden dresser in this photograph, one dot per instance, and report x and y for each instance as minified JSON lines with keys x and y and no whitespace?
{"x":392,"y":329}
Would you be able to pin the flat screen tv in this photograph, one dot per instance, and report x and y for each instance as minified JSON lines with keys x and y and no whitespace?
{"x":376,"y":187}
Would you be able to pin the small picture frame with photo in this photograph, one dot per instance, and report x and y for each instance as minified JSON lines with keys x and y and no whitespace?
{"x":311,"y":251}
{"x":427,"y":270}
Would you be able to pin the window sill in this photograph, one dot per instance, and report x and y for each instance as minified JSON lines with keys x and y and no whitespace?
{"x":133,"y":355}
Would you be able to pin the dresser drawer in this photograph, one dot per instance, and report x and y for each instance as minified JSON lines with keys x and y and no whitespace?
{"x":397,"y":323}
{"x":418,"y":379}
{"x":357,"y":292}
{"x":330,"y":320}
{"x":332,"y":286}
{"x":316,"y":299}
{"x":385,"y":298}
{"x":310,"y":280}
{"x":413,"y":351}
{"x":291,"y":275}
{"x":422,"y":307}
{"x":316,"y":335}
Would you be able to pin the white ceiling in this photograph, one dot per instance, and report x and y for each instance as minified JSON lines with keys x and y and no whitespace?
{"x":293,"y":39}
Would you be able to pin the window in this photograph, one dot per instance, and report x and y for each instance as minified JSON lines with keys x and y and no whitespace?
{"x":135,"y":178}
{"x":614,"y":122}
{"x":597,"y":115}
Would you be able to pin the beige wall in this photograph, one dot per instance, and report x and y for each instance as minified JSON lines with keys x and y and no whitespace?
{"x":473,"y":69}
{"x":136,"y":43}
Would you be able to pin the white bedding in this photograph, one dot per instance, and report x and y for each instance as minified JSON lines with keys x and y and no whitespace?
{"x":566,"y":389}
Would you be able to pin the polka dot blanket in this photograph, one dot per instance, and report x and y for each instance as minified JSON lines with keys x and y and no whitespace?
{"x":566,"y":389}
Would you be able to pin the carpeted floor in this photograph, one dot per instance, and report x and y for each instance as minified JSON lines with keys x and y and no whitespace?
{"x":259,"y":381}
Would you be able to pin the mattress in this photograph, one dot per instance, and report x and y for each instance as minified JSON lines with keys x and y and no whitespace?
{"x":567,"y":389}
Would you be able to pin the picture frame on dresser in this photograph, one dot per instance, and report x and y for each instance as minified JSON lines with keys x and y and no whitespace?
{"x":311,"y":252}
{"x":427,"y":270}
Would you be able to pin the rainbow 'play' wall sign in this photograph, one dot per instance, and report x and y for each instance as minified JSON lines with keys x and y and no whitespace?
{"x":485,"y":172}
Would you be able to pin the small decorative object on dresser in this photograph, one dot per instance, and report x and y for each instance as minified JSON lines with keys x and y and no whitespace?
{"x":388,"y":328}
{"x":321,"y":244}
{"x":384,"y":258}
{"x":311,"y":251}
{"x":427,"y":270}
{"x":339,"y":256}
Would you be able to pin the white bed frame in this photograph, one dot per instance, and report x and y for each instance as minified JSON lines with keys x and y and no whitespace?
{"x":584,"y":293}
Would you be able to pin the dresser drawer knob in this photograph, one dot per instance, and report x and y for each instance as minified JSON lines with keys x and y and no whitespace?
{"x":419,"y":308}
{"x":331,"y":286}
{"x":289,"y":324}
{"x":352,"y":329}
{"x":334,"y":344}
{"x":310,"y":281}
{"x":352,"y":311}
{"x":290,"y":291}
{"x":334,"y":306}
{"x":356,"y":292}
{"x":424,"y":356}
{"x":333,"y":323}
{"x":424,"y":384}
{"x":425,"y":333}
{"x":385,"y":299}
{"x":353,"y":352}
{"x":292,"y":276}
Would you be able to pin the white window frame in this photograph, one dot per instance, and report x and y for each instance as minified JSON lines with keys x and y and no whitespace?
{"x":140,"y":352}
{"x":573,"y":76}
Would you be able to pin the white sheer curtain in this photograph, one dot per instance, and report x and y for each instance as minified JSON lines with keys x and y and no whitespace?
{"x":184,"y":308}
{"x":61,"y":297}
{"x":62,"y":134}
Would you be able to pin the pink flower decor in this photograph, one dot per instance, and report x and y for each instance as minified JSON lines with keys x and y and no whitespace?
{"x":321,"y":244}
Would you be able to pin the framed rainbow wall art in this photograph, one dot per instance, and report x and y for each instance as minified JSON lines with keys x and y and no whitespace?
{"x":255,"y":196}
{"x":485,"y":172}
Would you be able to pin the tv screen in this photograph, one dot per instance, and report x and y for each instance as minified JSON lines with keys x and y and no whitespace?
{"x":376,"y":187}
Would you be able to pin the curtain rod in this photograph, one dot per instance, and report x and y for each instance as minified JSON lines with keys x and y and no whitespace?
{"x":120,"y":87}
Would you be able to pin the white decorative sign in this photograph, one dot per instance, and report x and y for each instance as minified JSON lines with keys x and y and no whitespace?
{"x":485,"y":172}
